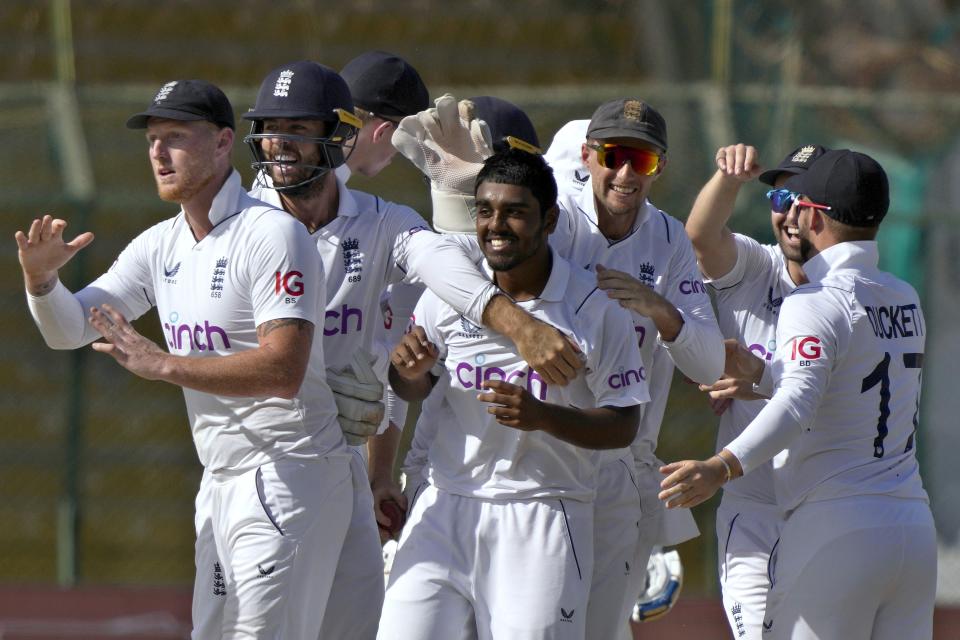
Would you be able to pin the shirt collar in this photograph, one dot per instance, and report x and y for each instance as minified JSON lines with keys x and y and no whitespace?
{"x":227,"y":201}
{"x":556,"y":285}
{"x":860,"y":254}
{"x":347,"y":203}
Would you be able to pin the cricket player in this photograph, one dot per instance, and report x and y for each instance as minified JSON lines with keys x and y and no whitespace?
{"x":644,"y":259}
{"x":614,"y":224}
{"x":857,"y":551}
{"x":504,"y":531}
{"x":510,"y":128}
{"x":301,"y":123}
{"x":237,"y":285}
{"x":750,"y":281}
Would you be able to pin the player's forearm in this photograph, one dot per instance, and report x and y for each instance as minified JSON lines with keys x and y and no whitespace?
{"x":259,"y":372}
{"x":599,"y":428}
{"x":706,"y":225}
{"x":773,"y":430}
{"x":40,"y":283}
{"x":668,"y":320}
{"x":410,"y":389}
{"x":59,"y":315}
{"x":382,"y":454}
{"x":446,"y":268}
{"x":698,"y":351}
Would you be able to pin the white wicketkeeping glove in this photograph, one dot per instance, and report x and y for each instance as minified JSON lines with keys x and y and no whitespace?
{"x":358,"y":393}
{"x":448,"y":144}
{"x":664,"y":582}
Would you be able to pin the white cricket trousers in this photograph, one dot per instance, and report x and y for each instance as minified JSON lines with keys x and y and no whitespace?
{"x":353,"y":609}
{"x":617,"y":576}
{"x":356,"y":597}
{"x":521,"y":567}
{"x":746,"y":533}
{"x":856,"y":568}
{"x":279,"y":530}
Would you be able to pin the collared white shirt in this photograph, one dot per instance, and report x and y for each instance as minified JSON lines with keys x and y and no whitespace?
{"x":658,"y":252}
{"x":372,"y":243}
{"x":473,"y":455}
{"x":748,"y":300}
{"x":847,"y":371}
{"x":256,"y":264}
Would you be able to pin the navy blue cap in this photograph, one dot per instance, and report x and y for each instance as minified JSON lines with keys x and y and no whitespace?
{"x":187,"y":100}
{"x":852,"y":184}
{"x":506,"y":120}
{"x":301,"y":90}
{"x":797,"y":161}
{"x":385,"y":84}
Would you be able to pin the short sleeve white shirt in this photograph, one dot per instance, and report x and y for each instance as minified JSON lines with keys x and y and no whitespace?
{"x":473,"y":455}
{"x":256,"y":264}
{"x":657,"y":252}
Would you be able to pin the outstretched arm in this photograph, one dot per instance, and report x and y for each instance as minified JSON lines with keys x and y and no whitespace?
{"x":707,"y":223}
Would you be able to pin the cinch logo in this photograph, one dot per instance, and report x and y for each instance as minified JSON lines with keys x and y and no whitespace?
{"x":806,"y":348}
{"x":195,"y":337}
{"x":692,"y":286}
{"x":764,"y":352}
{"x":289,"y":283}
{"x":623,"y":379}
{"x":335,"y":322}
{"x":473,"y":377}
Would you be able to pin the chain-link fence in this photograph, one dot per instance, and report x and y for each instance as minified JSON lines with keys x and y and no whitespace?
{"x":97,"y":468}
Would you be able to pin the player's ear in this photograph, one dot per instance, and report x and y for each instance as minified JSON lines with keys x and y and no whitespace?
{"x":382,"y":129}
{"x":550,"y":219}
{"x":225,"y":139}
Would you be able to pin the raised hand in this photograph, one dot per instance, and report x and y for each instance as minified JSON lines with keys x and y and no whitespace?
{"x":42,"y":252}
{"x":739,"y":161}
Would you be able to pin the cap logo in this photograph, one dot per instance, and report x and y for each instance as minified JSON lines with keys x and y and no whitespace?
{"x":803,"y":155}
{"x":633,"y":110}
{"x":282,"y":88}
{"x":164,"y":91}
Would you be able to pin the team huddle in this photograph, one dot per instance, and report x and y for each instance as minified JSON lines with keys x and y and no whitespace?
{"x":538,"y":320}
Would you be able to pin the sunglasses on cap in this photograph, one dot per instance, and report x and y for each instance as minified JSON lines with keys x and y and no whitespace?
{"x":613,"y":156}
{"x":782,"y":199}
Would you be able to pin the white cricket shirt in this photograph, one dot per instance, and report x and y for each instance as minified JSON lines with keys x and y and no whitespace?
{"x":370,"y":244}
{"x":748,"y":300}
{"x":658,"y":252}
{"x":256,"y":264}
{"x":847,"y":371}
{"x":473,"y":455}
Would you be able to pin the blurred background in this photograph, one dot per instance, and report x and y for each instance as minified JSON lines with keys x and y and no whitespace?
{"x":97,"y":467}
